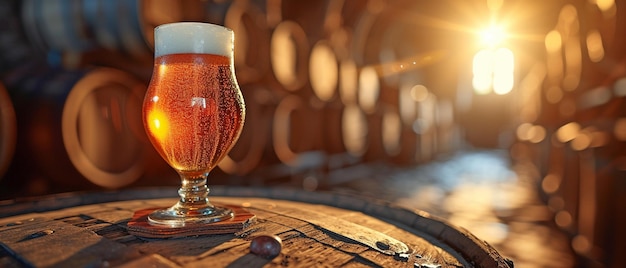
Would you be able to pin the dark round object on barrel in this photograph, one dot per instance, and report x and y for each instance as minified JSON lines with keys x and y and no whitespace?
{"x":266,"y":246}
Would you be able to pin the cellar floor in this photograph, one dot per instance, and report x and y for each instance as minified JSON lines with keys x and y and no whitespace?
{"x":480,"y":190}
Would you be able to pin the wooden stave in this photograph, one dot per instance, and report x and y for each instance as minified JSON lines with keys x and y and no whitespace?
{"x":31,"y":84}
{"x":120,"y":28}
{"x":578,"y":182}
{"x":462,"y":244}
{"x":14,"y":46}
{"x":8,"y":130}
{"x":92,"y":28}
{"x":557,"y":165}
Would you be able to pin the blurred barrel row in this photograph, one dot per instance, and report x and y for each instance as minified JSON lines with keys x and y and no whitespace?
{"x":74,"y":74}
{"x":573,"y":130}
{"x":323,"y":91}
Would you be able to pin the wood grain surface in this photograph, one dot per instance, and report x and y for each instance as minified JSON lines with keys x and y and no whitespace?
{"x":316,"y":231}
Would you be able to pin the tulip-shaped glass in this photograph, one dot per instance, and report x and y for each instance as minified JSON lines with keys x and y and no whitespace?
{"x":193,"y":113}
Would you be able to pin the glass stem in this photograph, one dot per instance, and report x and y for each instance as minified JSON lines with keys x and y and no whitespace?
{"x":193,"y":206}
{"x":194,"y":192}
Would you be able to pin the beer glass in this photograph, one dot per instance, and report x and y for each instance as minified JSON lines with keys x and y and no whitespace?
{"x":193,"y":113}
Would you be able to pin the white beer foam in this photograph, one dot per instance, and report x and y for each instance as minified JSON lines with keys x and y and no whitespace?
{"x":193,"y":37}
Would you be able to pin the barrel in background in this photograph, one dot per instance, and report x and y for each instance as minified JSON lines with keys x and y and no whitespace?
{"x":571,"y":134}
{"x":329,"y":80}
{"x":251,"y":151}
{"x":78,"y":128}
{"x":117,"y":26}
{"x":15,"y":48}
{"x":102,"y":129}
{"x":8,"y":130}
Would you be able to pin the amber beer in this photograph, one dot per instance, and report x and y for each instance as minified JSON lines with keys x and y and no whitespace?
{"x":195,"y":111}
{"x":209,"y":100}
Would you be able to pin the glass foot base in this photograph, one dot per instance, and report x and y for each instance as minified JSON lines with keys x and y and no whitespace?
{"x":177,"y":217}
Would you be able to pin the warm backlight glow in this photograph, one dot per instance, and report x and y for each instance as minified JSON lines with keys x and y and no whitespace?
{"x":568,"y":132}
{"x":323,"y":71}
{"x":554,"y":94}
{"x":551,"y":183}
{"x":502,"y":83}
{"x":493,"y":70}
{"x":604,"y":5}
{"x":392,"y":127}
{"x":503,"y":71}
{"x":619,"y":129}
{"x":419,"y":93}
{"x":406,"y":104}
{"x":287,"y":47}
{"x":369,"y":87}
{"x":595,"y":48}
{"x":158,"y":124}
{"x":483,"y":62}
{"x":348,"y":80}
{"x":503,"y":61}
{"x":553,"y":41}
{"x":581,"y":142}
{"x":568,"y":14}
{"x":492,"y":36}
{"x":563,"y":218}
{"x":354,"y":129}
{"x":483,"y":69}
{"x":285,"y":64}
{"x":530,"y":132}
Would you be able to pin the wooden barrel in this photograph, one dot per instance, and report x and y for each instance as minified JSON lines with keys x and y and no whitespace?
{"x":323,"y":71}
{"x":101,"y":128}
{"x":14,"y":46}
{"x":8,"y":130}
{"x":79,"y":128}
{"x":248,"y":22}
{"x":316,"y":229}
{"x":369,"y":89}
{"x":289,"y":50}
{"x":120,"y":26}
{"x":69,"y":26}
{"x":249,"y":153}
{"x":296,"y":129}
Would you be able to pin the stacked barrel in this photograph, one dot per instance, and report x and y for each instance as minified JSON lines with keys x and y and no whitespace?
{"x":325,"y":85}
{"x":336,"y":91}
{"x":573,"y":130}
{"x":76,"y":73}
